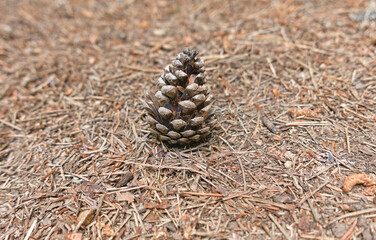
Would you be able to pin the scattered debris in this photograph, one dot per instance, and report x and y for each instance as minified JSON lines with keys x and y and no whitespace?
{"x":73,"y":135}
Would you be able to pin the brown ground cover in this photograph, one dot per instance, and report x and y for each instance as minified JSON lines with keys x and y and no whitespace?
{"x":295,"y":88}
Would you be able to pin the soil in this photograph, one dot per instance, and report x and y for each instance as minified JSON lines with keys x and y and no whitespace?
{"x":295,"y":89}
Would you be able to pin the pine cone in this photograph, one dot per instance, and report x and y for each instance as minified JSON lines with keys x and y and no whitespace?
{"x":180,"y":112}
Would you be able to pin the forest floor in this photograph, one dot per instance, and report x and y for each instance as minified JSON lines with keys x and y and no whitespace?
{"x":295,"y":89}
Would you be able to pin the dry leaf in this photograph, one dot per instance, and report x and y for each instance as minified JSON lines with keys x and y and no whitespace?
{"x":345,"y":207}
{"x":108,"y":231}
{"x":160,"y":234}
{"x":304,"y":112}
{"x":284,"y":198}
{"x":152,"y":216}
{"x":222,"y":191}
{"x":275,"y":93}
{"x":68,"y":92}
{"x":125,"y":196}
{"x":186,"y":225}
{"x":73,"y":236}
{"x":163,"y":205}
{"x":303,"y":223}
{"x":87,"y":13}
{"x":125,"y":179}
{"x":86,"y":217}
{"x":88,"y":188}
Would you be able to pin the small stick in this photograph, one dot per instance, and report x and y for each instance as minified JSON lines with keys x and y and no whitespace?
{"x":279,"y":226}
{"x":10,"y":125}
{"x":330,"y":106}
{"x":306,"y":236}
{"x":99,"y":208}
{"x":163,"y":167}
{"x":122,"y":229}
{"x":228,"y":144}
{"x":370,"y":144}
{"x":320,"y":172}
{"x":352,"y":214}
{"x":272,"y":67}
{"x":307,"y":123}
{"x":350,"y":231}
{"x":357,"y":114}
{"x":241,"y":123}
{"x":348,"y":140}
{"x":315,"y":214}
{"x":244,"y":179}
{"x":280,"y":205}
{"x":30,"y":230}
{"x":312,"y":193}
{"x":48,"y":174}
{"x":144,"y":69}
{"x":257,"y":124}
{"x":172,"y":219}
{"x":203,"y":194}
{"x":127,"y":189}
{"x":137,"y":216}
{"x":312,"y":78}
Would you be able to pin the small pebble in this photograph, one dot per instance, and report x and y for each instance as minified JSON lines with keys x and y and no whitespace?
{"x":289,"y":155}
{"x":367,"y":235}
{"x":339,"y":230}
{"x":288,"y":164}
{"x":159,"y":32}
{"x":362,"y":222}
{"x":258,"y":142}
{"x":6,"y":28}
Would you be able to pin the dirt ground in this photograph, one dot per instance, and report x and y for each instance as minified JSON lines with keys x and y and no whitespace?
{"x":295,"y":89}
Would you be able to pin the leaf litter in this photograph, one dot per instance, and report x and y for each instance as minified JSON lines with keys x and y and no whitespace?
{"x":293,"y":80}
